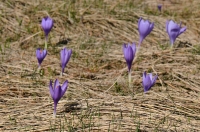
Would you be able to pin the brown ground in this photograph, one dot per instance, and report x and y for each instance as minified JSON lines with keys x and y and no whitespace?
{"x":98,"y":97}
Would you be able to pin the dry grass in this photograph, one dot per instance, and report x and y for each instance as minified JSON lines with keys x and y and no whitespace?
{"x":98,"y":98}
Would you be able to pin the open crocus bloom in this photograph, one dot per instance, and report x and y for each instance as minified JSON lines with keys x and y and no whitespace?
{"x":57,"y":92}
{"x":174,"y":30}
{"x":144,"y":28}
{"x":129,"y":54}
{"x":47,"y":24}
{"x":148,"y":81}
{"x":65,"y":55}
{"x":40,"y":54}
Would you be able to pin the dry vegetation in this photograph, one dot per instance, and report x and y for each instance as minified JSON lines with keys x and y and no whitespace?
{"x":98,"y":97}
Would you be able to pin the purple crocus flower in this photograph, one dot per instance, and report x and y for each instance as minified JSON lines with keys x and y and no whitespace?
{"x":148,"y":81}
{"x":129,"y":54}
{"x":144,"y":28}
{"x":174,"y":30}
{"x":40,"y":54}
{"x":65,"y":55}
{"x":57,"y":92}
{"x":47,"y":24}
{"x":159,"y":7}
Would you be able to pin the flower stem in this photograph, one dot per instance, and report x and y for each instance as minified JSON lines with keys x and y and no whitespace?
{"x":171,"y":48}
{"x":54,"y":112}
{"x":45,"y":47}
{"x":129,"y":78}
{"x":39,"y":68}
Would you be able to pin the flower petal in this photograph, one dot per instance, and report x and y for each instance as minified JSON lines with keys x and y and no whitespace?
{"x":146,"y":82}
{"x":134,"y":49}
{"x":167,"y":23}
{"x":154,"y":80}
{"x":57,"y":93}
{"x":56,"y":84}
{"x":51,"y":89}
{"x":64,"y":87}
{"x":139,"y":23}
{"x":182,"y":30}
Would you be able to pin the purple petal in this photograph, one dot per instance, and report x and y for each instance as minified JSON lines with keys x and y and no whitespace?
{"x":57,"y":93}
{"x":144,"y":74}
{"x":151,"y":76}
{"x":154,"y":80}
{"x":64,"y":87}
{"x":133,"y":48}
{"x":51,"y":89}
{"x":56,"y":84}
{"x":67,"y":56}
{"x":146,"y":82}
{"x":139,"y":23}
{"x":167,"y":23}
{"x":151,"y":26}
{"x":182,"y":30}
{"x":62,"y":58}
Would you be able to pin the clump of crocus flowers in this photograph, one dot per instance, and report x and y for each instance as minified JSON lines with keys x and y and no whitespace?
{"x":65,"y":55}
{"x":129,"y":54}
{"x":57,"y":92}
{"x":46,"y":24}
{"x":129,"y":50}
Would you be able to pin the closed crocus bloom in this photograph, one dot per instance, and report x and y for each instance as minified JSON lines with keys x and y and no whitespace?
{"x":40,"y":54}
{"x":144,"y":27}
{"x":129,"y":54}
{"x":57,"y":92}
{"x":159,"y":7}
{"x":65,"y":55}
{"x":148,"y":81}
{"x":174,"y":30}
{"x":47,"y":24}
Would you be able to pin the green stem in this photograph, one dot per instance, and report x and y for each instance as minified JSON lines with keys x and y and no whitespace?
{"x":171,"y":48}
{"x":45,"y":47}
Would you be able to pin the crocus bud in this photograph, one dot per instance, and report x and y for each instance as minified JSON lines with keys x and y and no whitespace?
{"x":40,"y":54}
{"x":159,"y":7}
{"x":174,"y":30}
{"x":144,"y":27}
{"x":65,"y":55}
{"x":129,"y":54}
{"x":57,"y":92}
{"x":47,"y":24}
{"x":148,"y":81}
